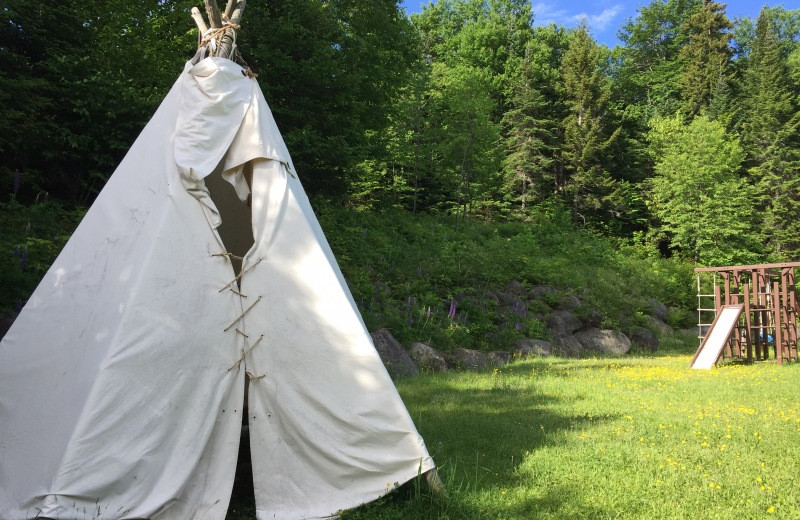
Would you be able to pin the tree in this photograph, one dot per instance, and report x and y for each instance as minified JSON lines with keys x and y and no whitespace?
{"x":467,"y":139}
{"x":531,"y":141}
{"x":769,"y":96}
{"x":330,"y":70}
{"x":586,"y":136}
{"x":702,"y":207}
{"x":490,"y":35}
{"x":651,"y":68}
{"x":707,"y":54}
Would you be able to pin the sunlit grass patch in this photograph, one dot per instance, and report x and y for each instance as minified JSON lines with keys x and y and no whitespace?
{"x":632,"y":437}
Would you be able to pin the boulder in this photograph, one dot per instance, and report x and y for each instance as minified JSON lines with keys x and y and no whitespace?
{"x":528,"y":347}
{"x":394,"y":357}
{"x":644,"y":337}
{"x":658,"y":325}
{"x":499,"y":358}
{"x":468,"y":359}
{"x":604,"y":341}
{"x":569,"y":302}
{"x":657,"y":309}
{"x":567,"y":345}
{"x":427,"y":358}
{"x":563,"y":323}
{"x":514,"y":287}
{"x":542,"y":291}
{"x":592,"y":318}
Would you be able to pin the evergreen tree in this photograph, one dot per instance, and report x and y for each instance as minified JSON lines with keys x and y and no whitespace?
{"x":530,"y":142}
{"x":780,"y":180}
{"x":707,"y":55}
{"x":770,"y":135}
{"x":586,"y":136}
{"x":769,"y":94}
{"x":650,"y":73}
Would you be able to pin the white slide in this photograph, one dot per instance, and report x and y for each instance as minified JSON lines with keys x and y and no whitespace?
{"x":711,"y":346}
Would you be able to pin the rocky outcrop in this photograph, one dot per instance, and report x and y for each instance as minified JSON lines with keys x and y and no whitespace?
{"x":394,"y":357}
{"x":604,"y":341}
{"x":468,"y":359}
{"x":427,"y":358}
{"x":527,"y":347}
{"x":644,"y":337}
{"x":563,"y":323}
{"x":499,"y":358}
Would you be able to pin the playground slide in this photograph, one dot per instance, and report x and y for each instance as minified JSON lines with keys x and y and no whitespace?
{"x":711,"y":347}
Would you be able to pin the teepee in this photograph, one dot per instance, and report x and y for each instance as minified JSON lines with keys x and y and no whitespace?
{"x":123,"y":380}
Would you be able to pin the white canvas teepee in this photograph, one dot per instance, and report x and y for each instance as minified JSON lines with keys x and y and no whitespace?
{"x":122,"y":381}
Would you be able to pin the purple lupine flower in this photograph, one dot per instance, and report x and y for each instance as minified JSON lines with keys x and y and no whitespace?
{"x":23,"y":259}
{"x":17,"y":179}
{"x":419,"y":271}
{"x":517,"y":325}
{"x":453,"y":307}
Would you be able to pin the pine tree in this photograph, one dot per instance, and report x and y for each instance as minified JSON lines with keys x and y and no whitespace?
{"x":707,"y":55}
{"x":586,"y":137}
{"x":769,"y":96}
{"x":771,"y":135}
{"x":530,"y":143}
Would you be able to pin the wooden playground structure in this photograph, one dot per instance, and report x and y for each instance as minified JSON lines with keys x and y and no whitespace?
{"x":755,"y":308}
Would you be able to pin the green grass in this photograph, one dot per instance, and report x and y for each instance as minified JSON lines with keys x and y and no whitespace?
{"x":634,"y":437}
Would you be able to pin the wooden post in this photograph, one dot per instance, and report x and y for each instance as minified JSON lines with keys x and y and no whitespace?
{"x":748,"y":331}
{"x":776,"y":310}
{"x":790,"y":309}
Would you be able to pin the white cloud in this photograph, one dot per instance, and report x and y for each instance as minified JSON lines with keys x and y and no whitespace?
{"x":599,"y":21}
{"x":545,"y":13}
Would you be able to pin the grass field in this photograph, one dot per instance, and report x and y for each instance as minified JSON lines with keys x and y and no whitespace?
{"x":634,"y":437}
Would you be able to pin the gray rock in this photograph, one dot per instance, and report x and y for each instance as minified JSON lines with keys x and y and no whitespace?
{"x":658,"y":325}
{"x":604,"y":341}
{"x":567,"y":345}
{"x":644,"y":337}
{"x":394,"y":357}
{"x":570,"y":302}
{"x":468,"y":359}
{"x":592,"y":319}
{"x":657,"y":309}
{"x":528,"y":347}
{"x":563,"y":322}
{"x":499,"y":358}
{"x":542,"y":291}
{"x":514,"y":287}
{"x":428,"y":358}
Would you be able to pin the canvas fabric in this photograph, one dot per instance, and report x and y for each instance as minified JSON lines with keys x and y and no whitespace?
{"x":122,"y":381}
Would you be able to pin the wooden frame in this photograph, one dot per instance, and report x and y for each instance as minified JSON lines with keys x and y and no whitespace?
{"x":769,"y":297}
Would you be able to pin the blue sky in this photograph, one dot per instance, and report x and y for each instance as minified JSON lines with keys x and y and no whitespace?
{"x":606,"y":16}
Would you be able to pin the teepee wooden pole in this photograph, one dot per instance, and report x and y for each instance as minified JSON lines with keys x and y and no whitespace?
{"x":222,"y":29}
{"x":214,"y":17}
{"x":201,"y":24}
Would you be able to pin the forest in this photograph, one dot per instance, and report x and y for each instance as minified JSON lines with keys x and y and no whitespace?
{"x":684,"y":141}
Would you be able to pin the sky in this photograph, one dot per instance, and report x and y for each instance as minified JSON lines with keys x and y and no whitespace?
{"x":605,"y":17}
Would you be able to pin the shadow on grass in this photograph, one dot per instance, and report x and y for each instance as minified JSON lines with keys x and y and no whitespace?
{"x":479,"y":427}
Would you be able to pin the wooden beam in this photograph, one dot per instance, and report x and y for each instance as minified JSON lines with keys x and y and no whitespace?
{"x":746,"y":267}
